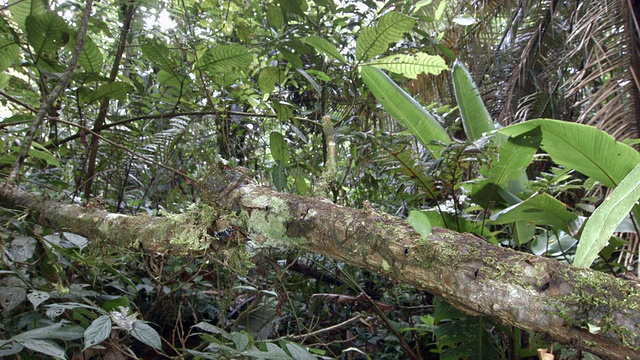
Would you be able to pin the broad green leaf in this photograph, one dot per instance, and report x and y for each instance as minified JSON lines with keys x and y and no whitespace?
{"x":515,"y":155}
{"x":475,"y":117}
{"x":298,"y":7}
{"x":45,"y":347}
{"x":299,"y":353}
{"x":146,"y":334}
{"x":420,"y":223}
{"x":116,"y":90}
{"x":55,"y":331}
{"x":450,"y":221}
{"x":47,"y":33}
{"x":273,"y":353}
{"x":9,"y":53}
{"x":8,"y":348}
{"x":225,"y":58}
{"x":584,"y":148}
{"x":167,"y":78}
{"x":550,"y":244}
{"x":411,"y":65}
{"x":274,"y":16}
{"x":213,"y":329}
{"x":240,"y":340}
{"x":322,"y":45}
{"x":158,"y":53}
{"x":97,"y":332}
{"x":602,"y":223}
{"x":37,"y":151}
{"x":279,"y":175}
{"x":405,"y":110}
{"x":375,"y":40}
{"x":269,"y":77}
{"x":90,"y":58}
{"x":20,"y":10}
{"x":279,"y":147}
{"x":540,"y":209}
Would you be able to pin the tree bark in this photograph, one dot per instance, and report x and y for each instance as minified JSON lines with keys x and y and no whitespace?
{"x":523,"y":290}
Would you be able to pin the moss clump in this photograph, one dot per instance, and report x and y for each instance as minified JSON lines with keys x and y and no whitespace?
{"x":193,"y":226}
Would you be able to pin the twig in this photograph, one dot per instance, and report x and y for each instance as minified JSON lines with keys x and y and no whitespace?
{"x":332,"y":327}
{"x":53,"y":96}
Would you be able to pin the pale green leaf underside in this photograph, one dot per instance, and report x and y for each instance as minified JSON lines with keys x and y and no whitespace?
{"x":603,"y":222}
{"x":375,"y":40}
{"x":411,"y":65}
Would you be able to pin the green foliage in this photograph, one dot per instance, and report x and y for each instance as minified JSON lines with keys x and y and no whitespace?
{"x":249,"y":82}
{"x":375,"y":40}
{"x":405,"y":110}
{"x":602,"y":223}
{"x":411,"y":65}
{"x":475,"y":117}
{"x":588,"y":150}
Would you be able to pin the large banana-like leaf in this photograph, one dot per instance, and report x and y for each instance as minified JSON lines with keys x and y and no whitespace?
{"x":411,"y":65}
{"x":603,"y":222}
{"x":374,"y":40}
{"x":516,"y":153}
{"x":225,"y":58}
{"x":47,"y":33}
{"x":588,"y":150}
{"x":475,"y":117}
{"x":405,"y":110}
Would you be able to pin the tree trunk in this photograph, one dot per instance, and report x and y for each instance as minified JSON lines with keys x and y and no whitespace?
{"x":523,"y":290}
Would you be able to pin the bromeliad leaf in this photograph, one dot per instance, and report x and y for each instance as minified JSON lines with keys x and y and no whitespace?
{"x":374,"y":40}
{"x":411,"y":65}
{"x":322,"y":45}
{"x":225,"y":58}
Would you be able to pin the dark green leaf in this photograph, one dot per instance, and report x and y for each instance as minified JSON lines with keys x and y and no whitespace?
{"x":279,"y":176}
{"x":146,"y":334}
{"x":97,"y":332}
{"x":47,"y":33}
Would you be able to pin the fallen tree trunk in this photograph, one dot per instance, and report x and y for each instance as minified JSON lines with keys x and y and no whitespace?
{"x":523,"y":290}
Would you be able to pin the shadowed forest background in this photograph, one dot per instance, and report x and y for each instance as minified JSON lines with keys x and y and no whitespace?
{"x":391,"y":107}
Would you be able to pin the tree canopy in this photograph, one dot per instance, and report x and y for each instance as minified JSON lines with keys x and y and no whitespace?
{"x":303,"y":179}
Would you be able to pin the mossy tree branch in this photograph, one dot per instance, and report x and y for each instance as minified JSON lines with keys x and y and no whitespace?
{"x":523,"y":290}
